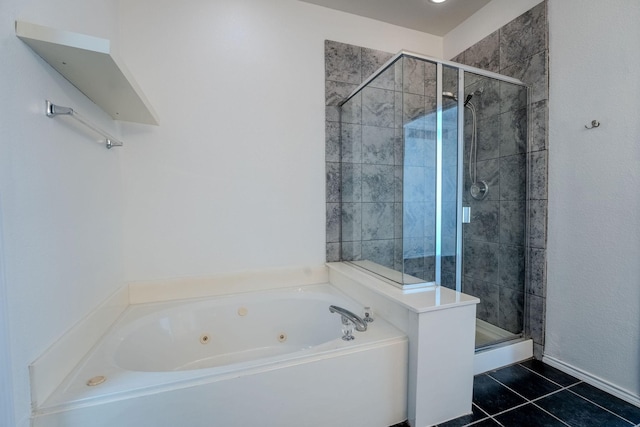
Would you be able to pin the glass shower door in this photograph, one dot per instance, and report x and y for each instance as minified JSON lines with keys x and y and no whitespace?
{"x":495,"y":173}
{"x":419,"y":174}
{"x":399,"y":175}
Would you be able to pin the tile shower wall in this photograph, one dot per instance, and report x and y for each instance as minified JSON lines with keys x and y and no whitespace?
{"x":345,"y":68}
{"x":519,"y":49}
{"x":368,"y":173}
{"x":373,"y":178}
{"x":387,"y":193}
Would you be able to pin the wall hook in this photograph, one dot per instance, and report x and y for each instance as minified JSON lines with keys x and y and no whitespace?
{"x":594,"y":124}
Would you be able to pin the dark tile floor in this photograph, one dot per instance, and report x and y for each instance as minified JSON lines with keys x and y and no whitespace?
{"x":532,"y":394}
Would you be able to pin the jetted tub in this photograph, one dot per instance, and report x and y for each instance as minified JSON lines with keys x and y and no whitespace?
{"x":272,"y":358}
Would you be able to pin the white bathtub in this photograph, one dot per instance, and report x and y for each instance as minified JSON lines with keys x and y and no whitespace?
{"x":272,"y":358}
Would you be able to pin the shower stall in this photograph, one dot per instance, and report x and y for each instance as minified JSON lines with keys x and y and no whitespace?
{"x":433,"y":184}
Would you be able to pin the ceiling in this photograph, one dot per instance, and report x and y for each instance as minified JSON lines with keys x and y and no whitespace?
{"x":421,"y":15}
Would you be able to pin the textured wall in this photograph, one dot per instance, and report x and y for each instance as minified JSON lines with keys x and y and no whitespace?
{"x":61,"y":192}
{"x":233,"y":178}
{"x":593,"y":304}
{"x":520,"y":49}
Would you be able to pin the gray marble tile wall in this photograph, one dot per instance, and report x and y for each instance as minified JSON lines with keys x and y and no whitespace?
{"x":382,"y":169}
{"x":518,"y":49}
{"x":361,"y":156}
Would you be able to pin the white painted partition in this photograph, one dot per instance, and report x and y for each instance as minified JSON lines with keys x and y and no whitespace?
{"x":441,"y":364}
{"x":440,"y":324}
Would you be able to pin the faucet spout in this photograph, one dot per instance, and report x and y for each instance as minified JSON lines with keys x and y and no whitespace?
{"x":347,"y":315}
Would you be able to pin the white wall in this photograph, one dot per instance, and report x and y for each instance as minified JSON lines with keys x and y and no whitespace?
{"x":60,"y":193}
{"x":233,"y":178}
{"x":593,"y":300}
{"x":484,"y":22}
{"x":6,"y":386}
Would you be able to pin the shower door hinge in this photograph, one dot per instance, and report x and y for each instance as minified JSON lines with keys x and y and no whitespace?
{"x":466,"y":214}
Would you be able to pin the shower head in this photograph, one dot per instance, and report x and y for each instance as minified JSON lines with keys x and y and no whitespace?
{"x":450,"y":95}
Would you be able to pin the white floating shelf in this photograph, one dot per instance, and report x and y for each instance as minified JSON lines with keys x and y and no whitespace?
{"x":91,"y":66}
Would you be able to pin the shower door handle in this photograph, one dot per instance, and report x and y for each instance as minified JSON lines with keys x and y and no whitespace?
{"x":466,"y":214}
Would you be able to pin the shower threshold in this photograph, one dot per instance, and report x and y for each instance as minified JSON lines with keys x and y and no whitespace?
{"x":496,"y":348}
{"x":488,"y":335}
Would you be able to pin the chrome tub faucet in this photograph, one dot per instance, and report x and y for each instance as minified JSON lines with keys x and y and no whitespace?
{"x":349,"y":319}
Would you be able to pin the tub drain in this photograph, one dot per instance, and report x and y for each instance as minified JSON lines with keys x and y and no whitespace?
{"x":97,"y":380}
{"x":282,"y":337}
{"x":205,"y":338}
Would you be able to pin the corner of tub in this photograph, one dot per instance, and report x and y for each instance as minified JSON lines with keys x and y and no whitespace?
{"x":51,"y":367}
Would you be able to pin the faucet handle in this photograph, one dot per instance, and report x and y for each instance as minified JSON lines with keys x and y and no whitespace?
{"x":367,"y":314}
{"x":347,"y":329}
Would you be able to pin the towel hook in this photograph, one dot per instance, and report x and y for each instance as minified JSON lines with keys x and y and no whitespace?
{"x":594,"y":124}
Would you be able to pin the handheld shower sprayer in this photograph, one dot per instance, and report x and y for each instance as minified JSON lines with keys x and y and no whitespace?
{"x":478,"y":189}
